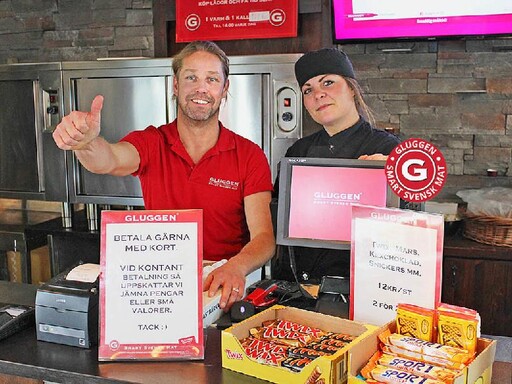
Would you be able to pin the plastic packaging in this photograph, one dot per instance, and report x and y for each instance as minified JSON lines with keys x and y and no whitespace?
{"x":495,"y":201}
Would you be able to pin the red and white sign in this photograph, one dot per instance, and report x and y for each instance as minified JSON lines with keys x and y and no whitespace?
{"x":151,"y":286}
{"x":235,"y":19}
{"x":396,"y":257}
{"x":416,"y":170}
{"x":321,"y":199}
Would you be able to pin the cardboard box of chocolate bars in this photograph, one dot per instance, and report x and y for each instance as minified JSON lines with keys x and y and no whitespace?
{"x":479,"y":371}
{"x":332,"y":369}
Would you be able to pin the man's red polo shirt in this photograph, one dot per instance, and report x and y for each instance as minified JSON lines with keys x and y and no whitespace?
{"x":234,"y":168}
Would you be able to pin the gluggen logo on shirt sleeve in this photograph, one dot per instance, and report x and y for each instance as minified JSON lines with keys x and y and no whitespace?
{"x":228,"y":184}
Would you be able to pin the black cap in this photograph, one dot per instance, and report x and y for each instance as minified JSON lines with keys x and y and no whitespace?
{"x":322,"y":62}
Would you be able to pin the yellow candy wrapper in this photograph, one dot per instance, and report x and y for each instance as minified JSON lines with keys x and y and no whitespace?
{"x":415,"y":321}
{"x":457,"y":327}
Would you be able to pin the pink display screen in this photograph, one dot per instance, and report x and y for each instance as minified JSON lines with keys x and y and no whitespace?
{"x":368,"y":19}
{"x":321,"y":199}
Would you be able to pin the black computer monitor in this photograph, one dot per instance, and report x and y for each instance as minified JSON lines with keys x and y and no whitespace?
{"x":316,"y":195}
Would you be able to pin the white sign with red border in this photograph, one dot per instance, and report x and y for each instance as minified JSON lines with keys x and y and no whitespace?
{"x":396,"y":257}
{"x":150,"y":285}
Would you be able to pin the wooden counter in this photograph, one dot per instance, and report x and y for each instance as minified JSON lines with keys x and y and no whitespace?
{"x":479,"y":276}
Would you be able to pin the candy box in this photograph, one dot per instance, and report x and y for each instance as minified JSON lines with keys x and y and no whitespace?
{"x":479,"y":371}
{"x":332,"y":368}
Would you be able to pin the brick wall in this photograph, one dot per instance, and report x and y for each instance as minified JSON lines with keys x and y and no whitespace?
{"x":456,"y":94}
{"x":67,"y":30}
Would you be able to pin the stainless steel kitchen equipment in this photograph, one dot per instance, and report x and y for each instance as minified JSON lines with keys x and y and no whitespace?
{"x":137,"y":93}
{"x":263,"y":105}
{"x":31,"y":165}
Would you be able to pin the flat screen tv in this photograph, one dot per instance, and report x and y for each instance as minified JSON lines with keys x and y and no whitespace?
{"x":315,"y":198}
{"x":366,"y":20}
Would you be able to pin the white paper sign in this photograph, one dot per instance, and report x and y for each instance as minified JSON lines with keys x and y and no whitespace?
{"x":396,"y":258}
{"x":150,"y":285}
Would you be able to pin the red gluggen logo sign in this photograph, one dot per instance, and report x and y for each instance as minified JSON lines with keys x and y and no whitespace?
{"x":192,"y":22}
{"x":416,"y":170}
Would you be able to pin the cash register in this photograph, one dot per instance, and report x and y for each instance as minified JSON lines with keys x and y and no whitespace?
{"x":67,"y":307}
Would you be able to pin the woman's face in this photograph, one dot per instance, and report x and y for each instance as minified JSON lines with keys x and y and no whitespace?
{"x":330,"y":101}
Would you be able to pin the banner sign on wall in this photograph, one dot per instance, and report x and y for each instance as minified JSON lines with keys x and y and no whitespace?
{"x":151,"y":285}
{"x":396,"y":257}
{"x":235,"y":19}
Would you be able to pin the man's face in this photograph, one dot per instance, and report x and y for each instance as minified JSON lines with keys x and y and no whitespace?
{"x":200,"y":86}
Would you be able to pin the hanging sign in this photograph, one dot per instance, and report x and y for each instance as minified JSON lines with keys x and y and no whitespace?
{"x":235,"y":19}
{"x":150,"y":285}
{"x":396,"y":257}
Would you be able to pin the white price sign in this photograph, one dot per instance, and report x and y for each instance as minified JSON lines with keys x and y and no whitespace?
{"x":396,"y":257}
{"x":150,"y":285}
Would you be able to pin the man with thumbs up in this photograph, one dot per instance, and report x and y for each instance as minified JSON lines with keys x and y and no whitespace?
{"x":193,"y":162}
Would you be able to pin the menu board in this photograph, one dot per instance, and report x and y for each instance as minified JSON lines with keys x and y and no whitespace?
{"x":150,"y":285}
{"x":396,"y":257}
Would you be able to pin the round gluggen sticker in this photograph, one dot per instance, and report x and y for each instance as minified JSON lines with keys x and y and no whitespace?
{"x":416,"y":170}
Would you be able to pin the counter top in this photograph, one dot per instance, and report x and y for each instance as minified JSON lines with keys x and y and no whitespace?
{"x":17,"y":293}
{"x":23,"y":356}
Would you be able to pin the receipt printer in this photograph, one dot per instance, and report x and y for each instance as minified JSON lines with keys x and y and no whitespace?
{"x":67,"y":311}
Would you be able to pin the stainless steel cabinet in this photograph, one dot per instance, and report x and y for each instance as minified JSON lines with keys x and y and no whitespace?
{"x":137,"y":93}
{"x":263,"y":105}
{"x":31,"y":165}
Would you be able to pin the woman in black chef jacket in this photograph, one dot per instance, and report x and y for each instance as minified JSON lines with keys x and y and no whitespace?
{"x":333,"y":98}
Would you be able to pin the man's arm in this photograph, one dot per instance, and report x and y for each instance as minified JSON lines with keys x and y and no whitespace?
{"x":79,"y":131}
{"x":255,"y":254}
{"x":102,"y":157}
